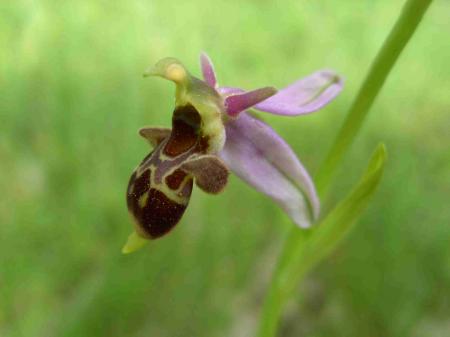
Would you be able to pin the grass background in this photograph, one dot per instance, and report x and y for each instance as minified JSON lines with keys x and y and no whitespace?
{"x":72,"y":98}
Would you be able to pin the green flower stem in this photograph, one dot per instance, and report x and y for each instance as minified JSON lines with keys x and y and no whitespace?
{"x":295,"y":260}
{"x":399,"y":36}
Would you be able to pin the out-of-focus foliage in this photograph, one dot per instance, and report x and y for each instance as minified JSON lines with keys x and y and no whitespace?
{"x":72,"y":98}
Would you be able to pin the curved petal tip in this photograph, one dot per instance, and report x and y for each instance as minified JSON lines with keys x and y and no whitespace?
{"x":208,"y":72}
{"x":304,"y":96}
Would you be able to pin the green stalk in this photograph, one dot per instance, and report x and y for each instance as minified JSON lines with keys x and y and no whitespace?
{"x":293,"y":254}
{"x":399,"y":36}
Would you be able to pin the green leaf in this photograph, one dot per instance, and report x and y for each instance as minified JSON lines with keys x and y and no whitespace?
{"x":304,"y":249}
{"x":338,"y":222}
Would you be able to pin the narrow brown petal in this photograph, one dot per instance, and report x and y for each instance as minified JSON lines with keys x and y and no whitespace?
{"x":154,"y":135}
{"x":210,"y":173}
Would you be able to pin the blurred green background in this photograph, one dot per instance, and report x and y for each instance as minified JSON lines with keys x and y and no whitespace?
{"x":72,"y":98}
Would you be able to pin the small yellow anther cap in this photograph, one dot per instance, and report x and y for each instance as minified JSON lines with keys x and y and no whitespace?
{"x":169,"y":68}
{"x":176,"y":73}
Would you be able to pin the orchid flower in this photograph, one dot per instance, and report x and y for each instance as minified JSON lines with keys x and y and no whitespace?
{"x":212,"y":133}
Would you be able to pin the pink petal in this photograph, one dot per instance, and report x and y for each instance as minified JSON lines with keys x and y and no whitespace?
{"x":238,"y":102}
{"x":227,"y":91}
{"x":208,"y":70}
{"x":304,"y":96}
{"x":259,"y":156}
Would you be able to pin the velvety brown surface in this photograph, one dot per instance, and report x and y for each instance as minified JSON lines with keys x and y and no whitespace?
{"x":185,"y":124}
{"x":175,"y":179}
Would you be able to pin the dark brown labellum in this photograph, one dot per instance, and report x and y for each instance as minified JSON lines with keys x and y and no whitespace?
{"x":159,"y":191}
{"x":160,"y":188}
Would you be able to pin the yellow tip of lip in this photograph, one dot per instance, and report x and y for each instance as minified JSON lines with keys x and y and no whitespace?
{"x":134,"y":243}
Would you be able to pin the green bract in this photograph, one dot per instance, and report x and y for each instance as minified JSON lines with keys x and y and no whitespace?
{"x":305,"y":250}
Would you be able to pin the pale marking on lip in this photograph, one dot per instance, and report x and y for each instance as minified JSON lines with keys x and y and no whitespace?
{"x":142,"y":202}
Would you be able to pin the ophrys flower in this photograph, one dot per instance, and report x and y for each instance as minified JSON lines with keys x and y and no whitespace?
{"x":211,"y":131}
